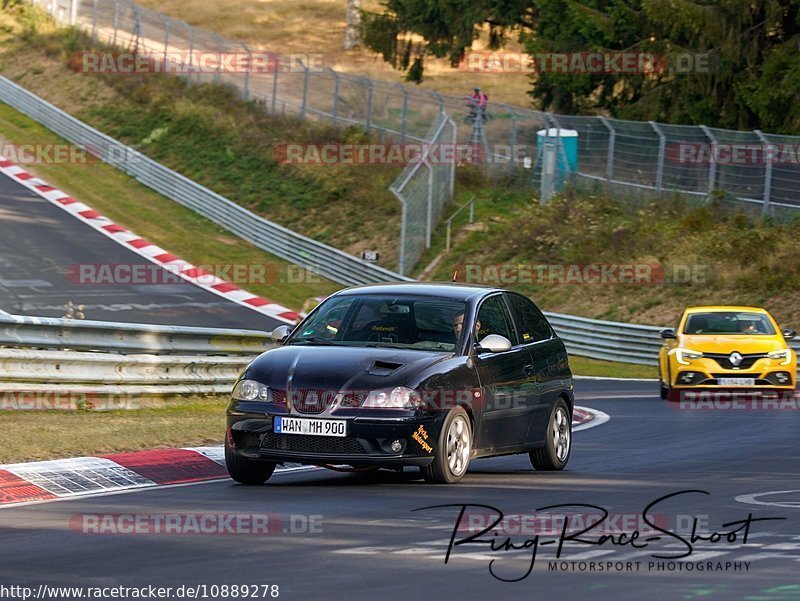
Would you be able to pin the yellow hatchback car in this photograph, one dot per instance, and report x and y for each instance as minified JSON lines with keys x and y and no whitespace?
{"x":725,"y":348}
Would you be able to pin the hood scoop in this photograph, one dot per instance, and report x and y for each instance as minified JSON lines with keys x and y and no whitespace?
{"x":383,"y":368}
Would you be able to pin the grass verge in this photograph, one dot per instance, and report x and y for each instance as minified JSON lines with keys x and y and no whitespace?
{"x":584,"y":366}
{"x":40,"y":435}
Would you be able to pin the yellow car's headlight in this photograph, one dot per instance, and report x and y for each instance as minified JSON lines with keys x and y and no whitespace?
{"x":785,"y":354}
{"x":683,"y":355}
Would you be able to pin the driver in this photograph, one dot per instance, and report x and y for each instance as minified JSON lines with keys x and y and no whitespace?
{"x":458,"y":324}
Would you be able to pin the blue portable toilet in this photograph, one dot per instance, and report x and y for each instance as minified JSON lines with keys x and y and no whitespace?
{"x":568,"y":159}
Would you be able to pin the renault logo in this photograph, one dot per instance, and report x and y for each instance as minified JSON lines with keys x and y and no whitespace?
{"x":735,"y":358}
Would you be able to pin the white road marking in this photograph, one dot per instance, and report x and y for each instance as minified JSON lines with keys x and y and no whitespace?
{"x":751,"y":499}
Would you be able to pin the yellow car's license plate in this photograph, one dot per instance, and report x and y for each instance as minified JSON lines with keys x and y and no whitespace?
{"x":736,"y":381}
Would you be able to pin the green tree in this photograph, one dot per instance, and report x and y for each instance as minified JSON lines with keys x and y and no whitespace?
{"x":753,"y":48}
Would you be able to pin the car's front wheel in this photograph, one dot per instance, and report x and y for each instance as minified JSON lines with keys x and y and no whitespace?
{"x":558,"y":440}
{"x":452,"y":452}
{"x":247,"y":471}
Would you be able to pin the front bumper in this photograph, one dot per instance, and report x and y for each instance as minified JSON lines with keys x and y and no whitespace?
{"x":707,"y":374}
{"x":367,"y":442}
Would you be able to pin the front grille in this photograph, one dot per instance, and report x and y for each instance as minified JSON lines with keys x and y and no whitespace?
{"x":736,"y":375}
{"x":279,"y":396}
{"x":246,"y":440}
{"x":323,"y":445}
{"x":724,"y":361}
{"x":312,"y":400}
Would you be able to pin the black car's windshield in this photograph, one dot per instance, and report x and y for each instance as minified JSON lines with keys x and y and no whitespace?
{"x":402,"y":321}
{"x":729,"y":322}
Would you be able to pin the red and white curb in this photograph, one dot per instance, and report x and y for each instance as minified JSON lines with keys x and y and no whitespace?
{"x":146,"y":249}
{"x":44,"y":481}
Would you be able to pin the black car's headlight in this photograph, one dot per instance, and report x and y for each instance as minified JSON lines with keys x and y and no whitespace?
{"x":397,"y":398}
{"x":250,"y":390}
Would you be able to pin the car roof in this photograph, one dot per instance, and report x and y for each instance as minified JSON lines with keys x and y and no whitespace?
{"x":721,"y":308}
{"x":454,"y":290}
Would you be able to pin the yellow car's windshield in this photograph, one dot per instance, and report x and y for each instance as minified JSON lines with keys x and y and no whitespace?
{"x":729,"y":323}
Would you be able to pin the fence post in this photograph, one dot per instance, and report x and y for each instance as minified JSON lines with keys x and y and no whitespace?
{"x":765,"y":206}
{"x":513,"y":151}
{"x":405,"y":113}
{"x":116,"y":22}
{"x":612,"y":141}
{"x":136,"y":35}
{"x":712,"y":167}
{"x":190,"y":31}
{"x":246,"y":93}
{"x":305,"y":90}
{"x":73,"y":12}
{"x":335,"y":95}
{"x":559,"y":148}
{"x":275,"y":82}
{"x":401,"y":255}
{"x":220,"y":45}
{"x":368,"y":82}
{"x":94,"y":21}
{"x":439,"y":100}
{"x":429,"y":224}
{"x":165,"y":23}
{"x":453,"y":163}
{"x":662,"y":145}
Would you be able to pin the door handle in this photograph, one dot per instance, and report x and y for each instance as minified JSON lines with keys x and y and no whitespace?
{"x":527,"y":369}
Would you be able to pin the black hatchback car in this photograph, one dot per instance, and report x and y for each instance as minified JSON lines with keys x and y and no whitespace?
{"x":390,"y":375}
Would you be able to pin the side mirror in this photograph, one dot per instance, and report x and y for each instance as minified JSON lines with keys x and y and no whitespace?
{"x":493,"y":343}
{"x":789,"y":333}
{"x":281,"y":333}
{"x":667,"y":334}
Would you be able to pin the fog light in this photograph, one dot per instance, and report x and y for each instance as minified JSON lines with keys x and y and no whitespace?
{"x":687,"y":377}
{"x":782,"y":377}
{"x":396,"y":446}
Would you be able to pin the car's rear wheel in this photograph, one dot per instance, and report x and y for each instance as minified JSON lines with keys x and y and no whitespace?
{"x":452,"y":452}
{"x":247,"y":471}
{"x":558,"y":440}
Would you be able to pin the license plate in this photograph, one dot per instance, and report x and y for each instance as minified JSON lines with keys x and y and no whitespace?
{"x":736,"y":381}
{"x":314,"y":427}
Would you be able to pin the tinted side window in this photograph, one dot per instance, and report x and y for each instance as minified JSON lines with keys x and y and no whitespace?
{"x":531,"y":324}
{"x":494,"y":319}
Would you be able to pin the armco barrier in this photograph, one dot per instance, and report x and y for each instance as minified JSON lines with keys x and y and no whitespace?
{"x":53,"y":333}
{"x":24,"y":365}
{"x":324,"y":260}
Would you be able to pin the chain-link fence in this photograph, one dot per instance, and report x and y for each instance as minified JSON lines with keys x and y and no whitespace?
{"x":422,"y":190}
{"x":751,"y":167}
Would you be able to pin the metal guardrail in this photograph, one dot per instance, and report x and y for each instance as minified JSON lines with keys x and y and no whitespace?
{"x":613,"y":340}
{"x":324,"y":260}
{"x":65,"y":367}
{"x":51,"y":333}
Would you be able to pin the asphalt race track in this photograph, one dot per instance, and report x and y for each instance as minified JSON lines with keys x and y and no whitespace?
{"x":38,"y":244}
{"x":372,"y":545}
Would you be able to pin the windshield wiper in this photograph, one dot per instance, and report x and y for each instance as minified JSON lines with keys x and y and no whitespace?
{"x":315,"y":340}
